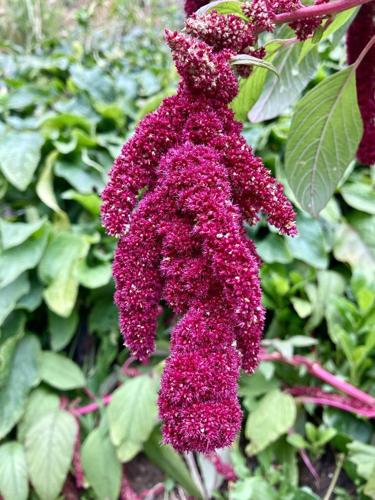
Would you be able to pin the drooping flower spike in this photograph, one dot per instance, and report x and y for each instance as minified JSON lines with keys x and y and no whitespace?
{"x":360,"y":33}
{"x":178,"y":196}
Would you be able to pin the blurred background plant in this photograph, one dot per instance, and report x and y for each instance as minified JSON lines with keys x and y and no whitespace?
{"x":77,"y":417}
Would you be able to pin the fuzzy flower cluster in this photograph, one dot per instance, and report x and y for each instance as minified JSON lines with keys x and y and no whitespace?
{"x":360,"y":33}
{"x":178,"y":197}
{"x":262,"y":12}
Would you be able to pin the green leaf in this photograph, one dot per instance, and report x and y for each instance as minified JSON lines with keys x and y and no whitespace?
{"x":22,"y":377}
{"x":59,"y":269}
{"x":363,"y":456}
{"x":253,"y":488}
{"x":359,"y":195}
{"x":100,"y":464}
{"x":49,"y":450}
{"x":370,"y":485}
{"x":223,"y":7}
{"x":324,"y":136}
{"x":13,"y":472}
{"x":62,"y":329}
{"x":19,"y":156}
{"x":262,"y":428}
{"x":170,"y":462}
{"x":94,"y":277}
{"x":60,"y":372}
{"x":40,"y":402}
{"x":245,"y":59}
{"x":330,"y":285}
{"x":250,"y":88}
{"x":15,"y":261}
{"x":44,"y":188}
{"x":132,"y":415}
{"x":308,"y":245}
{"x":11,"y":332}
{"x":84,"y":181}
{"x":91,"y":202}
{"x":9,"y":295}
{"x":273,"y":248}
{"x":355,"y":243}
{"x":281,"y":92}
{"x":15,"y":233}
{"x":335,"y":25}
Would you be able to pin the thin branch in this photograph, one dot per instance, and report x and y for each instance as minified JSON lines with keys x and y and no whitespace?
{"x":335,"y":477}
{"x":315,"y":369}
{"x":320,"y":10}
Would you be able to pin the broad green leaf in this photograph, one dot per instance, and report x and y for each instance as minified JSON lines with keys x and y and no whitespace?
{"x":359,"y":195}
{"x":15,"y":233}
{"x":15,"y":261}
{"x":19,"y":156}
{"x":91,"y":202}
{"x":355,"y":243}
{"x":281,"y":92}
{"x":100,"y":464}
{"x":323,"y":139}
{"x":83,"y":180}
{"x":49,"y":449}
{"x":273,"y":248}
{"x":370,"y":485}
{"x":45,"y":191}
{"x":335,"y":25}
{"x":63,"y":121}
{"x":40,"y":402}
{"x":256,"y":385}
{"x":363,"y":455}
{"x":308,"y":245}
{"x":61,"y":329}
{"x":13,"y":472}
{"x":170,"y":462}
{"x":253,"y":488}
{"x":22,"y":377}
{"x":132,"y":415}
{"x":250,"y":88}
{"x":330,"y":285}
{"x":11,"y":332}
{"x":9,"y":295}
{"x":223,"y":7}
{"x":60,"y":372}
{"x":262,"y":428}
{"x":94,"y":277}
{"x":302,"y":307}
{"x":59,"y":268}
{"x":33,"y":298}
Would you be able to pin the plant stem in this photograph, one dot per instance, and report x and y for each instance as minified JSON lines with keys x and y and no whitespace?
{"x":318,"y":10}
{"x":335,"y":477}
{"x":306,"y":460}
{"x":314,"y":368}
{"x":364,"y":52}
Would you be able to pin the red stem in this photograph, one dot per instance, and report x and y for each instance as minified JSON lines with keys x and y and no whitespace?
{"x":318,"y":10}
{"x":318,"y":371}
{"x":312,"y":367}
{"x":91,"y":407}
{"x":306,"y":460}
{"x":342,"y":405}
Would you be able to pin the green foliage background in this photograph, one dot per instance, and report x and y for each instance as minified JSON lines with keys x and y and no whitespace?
{"x":67,"y":104}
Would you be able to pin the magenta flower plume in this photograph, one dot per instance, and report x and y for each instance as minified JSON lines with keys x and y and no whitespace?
{"x":360,"y":33}
{"x":191,"y":6}
{"x":178,"y":196}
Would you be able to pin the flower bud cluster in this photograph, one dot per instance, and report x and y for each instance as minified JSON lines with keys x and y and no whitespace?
{"x":178,"y":197}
